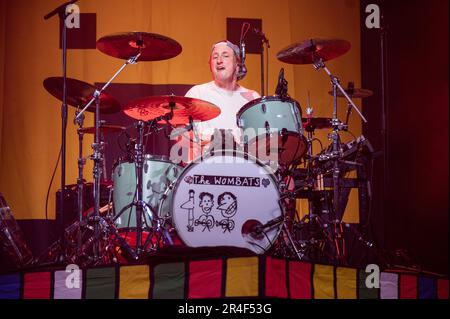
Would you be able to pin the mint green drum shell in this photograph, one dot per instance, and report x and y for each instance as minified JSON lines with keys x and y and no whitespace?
{"x":158,"y":174}
{"x":273,"y":113}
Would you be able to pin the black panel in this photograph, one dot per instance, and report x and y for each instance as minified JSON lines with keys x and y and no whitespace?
{"x":85,"y":36}
{"x":410,"y":207}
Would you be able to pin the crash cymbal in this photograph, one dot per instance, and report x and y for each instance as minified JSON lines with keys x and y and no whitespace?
{"x":79,"y":93}
{"x":354,"y":93}
{"x":103,"y":129}
{"x":151,"y":107}
{"x":309,"y":51}
{"x":153,"y":47}
{"x":316,"y":123}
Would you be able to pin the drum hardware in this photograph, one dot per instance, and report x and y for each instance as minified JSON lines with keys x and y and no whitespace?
{"x":316,"y":52}
{"x":353,"y":93}
{"x":80,"y":179}
{"x":130,"y":46}
{"x":76,"y":93}
{"x":143,"y":211}
{"x":97,"y":146}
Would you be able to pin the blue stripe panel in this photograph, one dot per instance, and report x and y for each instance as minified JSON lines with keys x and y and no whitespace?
{"x":427,"y":288}
{"x":10,"y":286}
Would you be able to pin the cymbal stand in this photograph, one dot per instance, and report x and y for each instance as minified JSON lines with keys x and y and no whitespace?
{"x":336,"y":150}
{"x":80,"y":181}
{"x":97,"y":155}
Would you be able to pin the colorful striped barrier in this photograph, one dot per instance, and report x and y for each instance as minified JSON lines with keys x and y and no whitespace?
{"x":249,"y":277}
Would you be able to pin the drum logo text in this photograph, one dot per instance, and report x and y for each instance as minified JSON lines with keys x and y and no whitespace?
{"x":242,"y":181}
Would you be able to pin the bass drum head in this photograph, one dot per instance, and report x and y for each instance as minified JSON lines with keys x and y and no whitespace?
{"x":220,"y":201}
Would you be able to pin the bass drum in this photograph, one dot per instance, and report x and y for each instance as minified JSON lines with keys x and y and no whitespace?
{"x":158,"y":174}
{"x":224,"y":200}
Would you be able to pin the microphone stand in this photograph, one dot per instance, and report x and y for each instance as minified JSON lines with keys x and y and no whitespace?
{"x":264,"y":40}
{"x":61,"y":11}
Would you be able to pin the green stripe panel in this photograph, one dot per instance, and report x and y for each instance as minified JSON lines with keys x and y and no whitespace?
{"x":366,"y":289}
{"x":101,"y":283}
{"x":169,"y":281}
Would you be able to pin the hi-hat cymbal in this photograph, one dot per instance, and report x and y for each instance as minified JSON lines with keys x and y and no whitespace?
{"x":354,"y":93}
{"x":316,"y":123}
{"x":104,"y":129}
{"x":310,"y":51}
{"x":79,"y":93}
{"x":153,"y":47}
{"x":151,"y":107}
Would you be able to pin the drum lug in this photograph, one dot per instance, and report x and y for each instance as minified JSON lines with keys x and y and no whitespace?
{"x":263,"y":108}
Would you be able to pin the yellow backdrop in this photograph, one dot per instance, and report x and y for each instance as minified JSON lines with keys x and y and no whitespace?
{"x":30,"y":120}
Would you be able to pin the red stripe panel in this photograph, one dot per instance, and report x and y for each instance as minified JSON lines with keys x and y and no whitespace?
{"x":442,"y":289}
{"x":300,"y":280}
{"x":276,"y":278}
{"x":408,"y":287}
{"x":36,"y":285}
{"x":205,"y":279}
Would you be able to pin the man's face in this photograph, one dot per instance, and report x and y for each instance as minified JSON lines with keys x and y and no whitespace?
{"x":223,"y":63}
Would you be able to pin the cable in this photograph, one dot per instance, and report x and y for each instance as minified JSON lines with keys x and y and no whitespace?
{"x":320,"y":142}
{"x":51,"y":182}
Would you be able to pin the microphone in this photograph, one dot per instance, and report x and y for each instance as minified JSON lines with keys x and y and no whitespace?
{"x":280,"y":82}
{"x":255,"y":228}
{"x":242,"y":68}
{"x":281,"y":89}
{"x":260,"y":34}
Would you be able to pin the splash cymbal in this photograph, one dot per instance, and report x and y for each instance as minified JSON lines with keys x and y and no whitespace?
{"x":153,"y":47}
{"x":309,"y":51}
{"x":151,"y":107}
{"x":79,"y":93}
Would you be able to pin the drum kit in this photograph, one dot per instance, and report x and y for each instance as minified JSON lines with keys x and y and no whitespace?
{"x":229,"y":197}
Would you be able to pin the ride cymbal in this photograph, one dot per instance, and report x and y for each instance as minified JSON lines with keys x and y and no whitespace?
{"x":153,"y":47}
{"x":312,"y":50}
{"x":151,"y":107}
{"x":79,"y":93}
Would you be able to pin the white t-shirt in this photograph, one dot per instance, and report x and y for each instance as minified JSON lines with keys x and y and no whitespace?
{"x":229,"y":102}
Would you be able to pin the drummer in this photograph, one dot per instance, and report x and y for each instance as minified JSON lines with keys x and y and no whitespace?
{"x":223,"y":91}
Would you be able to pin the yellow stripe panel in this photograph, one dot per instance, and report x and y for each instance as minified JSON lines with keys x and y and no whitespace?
{"x":346,"y":283}
{"x":242,"y":277}
{"x":323,"y":281}
{"x":134,"y":282}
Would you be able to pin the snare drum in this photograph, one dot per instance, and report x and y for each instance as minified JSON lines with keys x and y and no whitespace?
{"x":158,"y":174}
{"x":272,"y":124}
{"x":223,"y":200}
